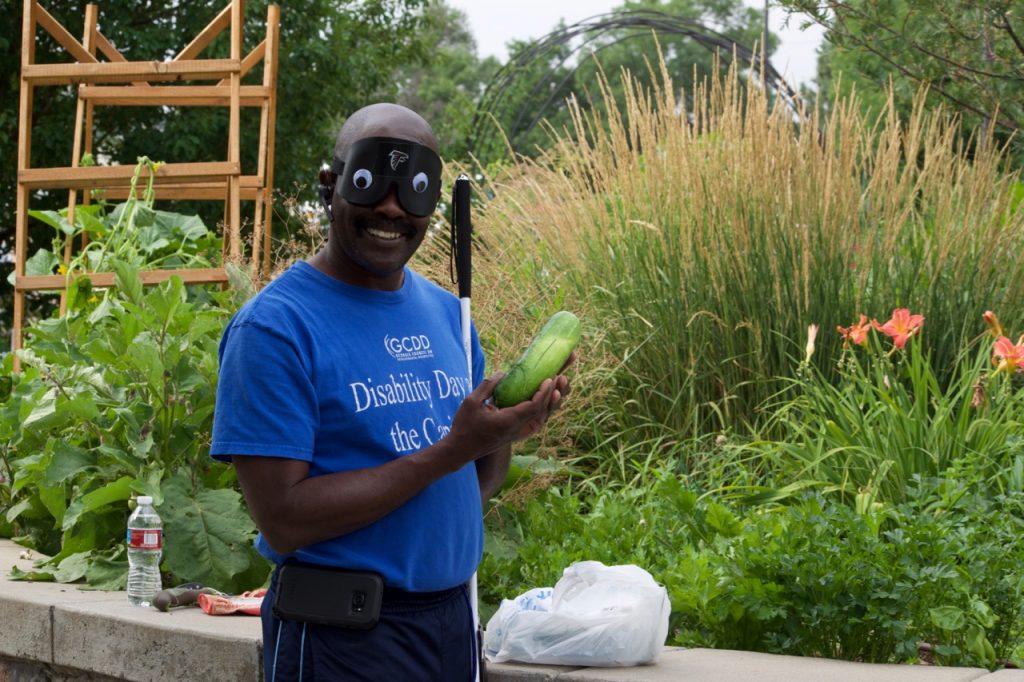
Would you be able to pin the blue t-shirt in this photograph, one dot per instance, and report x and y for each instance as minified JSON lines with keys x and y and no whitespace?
{"x":347,"y":378}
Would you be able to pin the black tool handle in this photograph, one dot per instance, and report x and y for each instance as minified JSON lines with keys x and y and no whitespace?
{"x":463,"y":236}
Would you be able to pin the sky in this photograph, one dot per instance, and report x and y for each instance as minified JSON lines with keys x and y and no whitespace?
{"x":495,"y":23}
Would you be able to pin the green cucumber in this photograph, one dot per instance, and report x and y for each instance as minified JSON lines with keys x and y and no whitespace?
{"x":541,"y":360}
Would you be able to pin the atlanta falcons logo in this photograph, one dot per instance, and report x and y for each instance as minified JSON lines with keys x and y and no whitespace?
{"x":397,"y":158}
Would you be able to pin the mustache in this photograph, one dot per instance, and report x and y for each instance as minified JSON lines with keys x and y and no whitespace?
{"x":376,"y":223}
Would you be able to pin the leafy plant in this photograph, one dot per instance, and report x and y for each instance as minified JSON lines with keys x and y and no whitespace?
{"x":814,"y":578}
{"x":132,"y":232}
{"x":115,"y":400}
{"x":886,"y":416}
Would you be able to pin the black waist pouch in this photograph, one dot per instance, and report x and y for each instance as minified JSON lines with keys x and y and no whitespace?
{"x":328,"y":596}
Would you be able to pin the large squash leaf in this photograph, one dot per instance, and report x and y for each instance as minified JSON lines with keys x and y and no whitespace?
{"x":208,"y":536}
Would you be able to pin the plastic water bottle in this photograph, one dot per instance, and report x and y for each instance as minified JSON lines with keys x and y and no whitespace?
{"x":145,"y":546}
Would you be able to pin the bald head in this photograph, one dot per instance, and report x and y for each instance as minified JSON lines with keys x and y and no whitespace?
{"x":384,"y":120}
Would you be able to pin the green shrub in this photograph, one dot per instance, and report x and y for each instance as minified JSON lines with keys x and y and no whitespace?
{"x":115,"y":399}
{"x":816,"y":578}
{"x":132,"y":232}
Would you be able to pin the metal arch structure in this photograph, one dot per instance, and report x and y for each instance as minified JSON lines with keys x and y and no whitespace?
{"x":638,"y":23}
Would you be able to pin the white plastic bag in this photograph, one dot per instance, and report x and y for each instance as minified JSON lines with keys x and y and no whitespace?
{"x":596,"y":615}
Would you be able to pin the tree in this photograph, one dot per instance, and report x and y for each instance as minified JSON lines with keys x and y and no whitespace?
{"x":568,"y":61}
{"x":446,"y":88}
{"x":970,"y":54}
{"x":334,"y":57}
{"x":686,"y":59}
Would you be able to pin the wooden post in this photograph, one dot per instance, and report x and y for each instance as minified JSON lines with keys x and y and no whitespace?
{"x":76,"y":148}
{"x":234,"y":143}
{"x":28,"y":55}
{"x":92,"y":44}
{"x":268,"y":116}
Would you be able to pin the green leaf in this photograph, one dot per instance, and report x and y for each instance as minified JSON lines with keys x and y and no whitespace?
{"x":83,"y":538}
{"x":128,"y":281}
{"x":1016,"y":195}
{"x":144,"y":215}
{"x":722,"y":520}
{"x":190,"y":227}
{"x":145,"y":357}
{"x":947,"y":617}
{"x":166,"y":298}
{"x":67,"y":460}
{"x":42,"y":414}
{"x":72,"y":568}
{"x":54,"y":501}
{"x":82,"y":406}
{"x":42,"y":262}
{"x":28,"y":468}
{"x":90,"y":223}
{"x":118,"y":456}
{"x":49,"y":413}
{"x":156,"y":245}
{"x":116,"y":491}
{"x":132,"y":319}
{"x":205,"y":326}
{"x":101,"y":311}
{"x":763,"y":495}
{"x":207,"y":533}
{"x":501,"y":546}
{"x":982,"y":613}
{"x":976,"y":642}
{"x":32,"y":576}
{"x":107,"y":573}
{"x":16,"y":510}
{"x":142,"y":448}
{"x":54,"y":219}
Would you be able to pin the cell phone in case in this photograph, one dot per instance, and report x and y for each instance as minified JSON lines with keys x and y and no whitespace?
{"x":328,"y":596}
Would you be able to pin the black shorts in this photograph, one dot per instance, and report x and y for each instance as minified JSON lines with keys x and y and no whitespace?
{"x":420,"y":637}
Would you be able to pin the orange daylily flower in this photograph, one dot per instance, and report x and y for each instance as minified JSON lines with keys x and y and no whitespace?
{"x":1007,"y":356}
{"x":856,"y":333}
{"x":901,"y":326}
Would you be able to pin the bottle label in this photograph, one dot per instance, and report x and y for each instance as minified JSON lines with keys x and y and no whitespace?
{"x":145,"y":538}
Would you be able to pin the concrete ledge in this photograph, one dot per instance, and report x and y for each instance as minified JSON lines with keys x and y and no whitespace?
{"x":73,"y":634}
{"x":131,"y":643}
{"x":59,"y":633}
{"x":719,"y":665}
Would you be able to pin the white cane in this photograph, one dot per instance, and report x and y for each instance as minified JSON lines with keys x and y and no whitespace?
{"x":463,"y":235}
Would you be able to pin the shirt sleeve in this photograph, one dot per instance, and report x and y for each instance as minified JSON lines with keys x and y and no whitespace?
{"x":266,"y":401}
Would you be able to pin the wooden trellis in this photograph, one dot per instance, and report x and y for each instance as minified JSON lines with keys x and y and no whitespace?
{"x":105,"y":78}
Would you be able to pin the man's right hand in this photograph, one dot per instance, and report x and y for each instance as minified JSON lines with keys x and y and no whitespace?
{"x":480,"y":427}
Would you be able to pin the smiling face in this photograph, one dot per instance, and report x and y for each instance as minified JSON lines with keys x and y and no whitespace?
{"x":369,"y":246}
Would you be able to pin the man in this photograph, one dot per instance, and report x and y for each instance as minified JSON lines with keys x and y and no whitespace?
{"x":359,"y":445}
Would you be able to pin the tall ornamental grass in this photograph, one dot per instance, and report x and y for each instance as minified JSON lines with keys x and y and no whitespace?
{"x":699,"y":245}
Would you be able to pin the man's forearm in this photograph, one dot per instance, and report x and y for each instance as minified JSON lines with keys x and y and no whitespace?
{"x":491,"y":471}
{"x":293,"y":509}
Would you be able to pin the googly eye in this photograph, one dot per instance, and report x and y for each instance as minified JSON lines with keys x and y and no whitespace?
{"x":362,"y":179}
{"x":420,"y":182}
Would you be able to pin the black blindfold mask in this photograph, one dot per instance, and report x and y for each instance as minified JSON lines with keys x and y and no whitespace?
{"x":374,"y":164}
